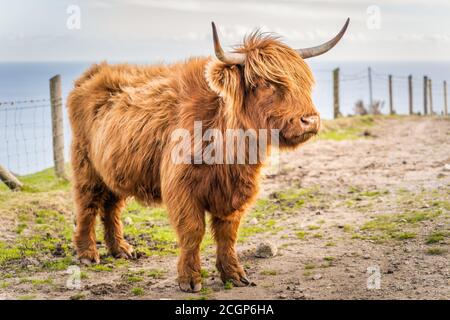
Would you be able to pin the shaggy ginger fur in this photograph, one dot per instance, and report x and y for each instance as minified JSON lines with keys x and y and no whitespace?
{"x":122,"y":118}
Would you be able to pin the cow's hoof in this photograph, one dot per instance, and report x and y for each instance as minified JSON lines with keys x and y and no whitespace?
{"x":89,"y":258}
{"x":241,"y":282}
{"x":125,"y":251}
{"x":190,"y":287}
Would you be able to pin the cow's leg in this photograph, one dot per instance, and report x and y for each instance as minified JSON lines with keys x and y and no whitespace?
{"x":189,"y":223}
{"x":111,"y":210}
{"x":88,"y":193}
{"x":224,"y":230}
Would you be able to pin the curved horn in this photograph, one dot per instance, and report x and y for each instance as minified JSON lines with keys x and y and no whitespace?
{"x":315,"y":51}
{"x":229,"y":58}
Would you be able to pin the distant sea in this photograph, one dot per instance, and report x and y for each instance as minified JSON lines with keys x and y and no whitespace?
{"x":25,"y":132}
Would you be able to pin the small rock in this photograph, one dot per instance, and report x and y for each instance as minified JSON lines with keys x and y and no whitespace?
{"x":254,"y":221}
{"x":318,"y":213}
{"x":366,"y":256}
{"x":266,"y":250}
{"x":128,"y":221}
{"x":317,"y":276}
{"x":447,"y":167}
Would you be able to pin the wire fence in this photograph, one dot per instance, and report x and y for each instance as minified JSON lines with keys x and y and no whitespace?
{"x":31,"y":130}
{"x":26,"y":135}
{"x":395,"y":94}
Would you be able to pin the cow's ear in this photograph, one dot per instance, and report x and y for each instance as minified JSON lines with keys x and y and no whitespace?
{"x":227,"y":82}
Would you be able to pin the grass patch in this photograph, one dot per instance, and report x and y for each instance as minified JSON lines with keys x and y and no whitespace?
{"x":204,"y":273}
{"x":268,"y":272}
{"x":133,"y":278}
{"x":348,"y":128}
{"x":403,"y":235}
{"x":228,"y":285}
{"x":436,"y":251}
{"x":301,"y":234}
{"x":436,"y":237}
{"x":309,"y":266}
{"x":156,"y":273}
{"x":395,"y":226}
{"x":101,"y":268}
{"x":137,"y":291}
{"x":41,"y":282}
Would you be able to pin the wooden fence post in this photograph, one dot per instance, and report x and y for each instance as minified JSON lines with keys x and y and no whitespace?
{"x":369,"y":75}
{"x":391,"y":98}
{"x":57,"y":125}
{"x":425,"y":98}
{"x":9,"y":179}
{"x":336,"y":107}
{"x":410,"y":89}
{"x":430,"y":93}
{"x":445,"y":99}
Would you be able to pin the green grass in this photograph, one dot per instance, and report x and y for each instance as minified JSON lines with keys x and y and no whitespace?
{"x":101,"y":268}
{"x":156,"y":273}
{"x":269,"y":272}
{"x":309,"y":266}
{"x":436,"y":237}
{"x":137,"y":291}
{"x":228,"y":285}
{"x":133,"y":278}
{"x":396,"y":226}
{"x":204,"y":273}
{"x":346,"y":128}
{"x":41,"y":282}
{"x":301,"y":234}
{"x":435,"y":251}
{"x":42,"y":181}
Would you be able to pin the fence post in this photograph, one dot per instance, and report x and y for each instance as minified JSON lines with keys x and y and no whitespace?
{"x":430,"y":93}
{"x":57,"y":125}
{"x":370,"y":88}
{"x":410,"y":89}
{"x":336,"y":107}
{"x":9,"y":179}
{"x":425,"y":98}
{"x":391,"y":99}
{"x":445,"y":99}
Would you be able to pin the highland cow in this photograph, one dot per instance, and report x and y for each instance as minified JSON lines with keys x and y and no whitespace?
{"x":122,"y":118}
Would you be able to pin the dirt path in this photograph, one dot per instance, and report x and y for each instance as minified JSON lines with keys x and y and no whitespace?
{"x":375,"y":204}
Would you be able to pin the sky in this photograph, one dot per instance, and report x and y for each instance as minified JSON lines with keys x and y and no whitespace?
{"x":169,"y":30}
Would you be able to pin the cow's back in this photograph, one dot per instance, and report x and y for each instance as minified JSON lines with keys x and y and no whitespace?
{"x":121,"y":117}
